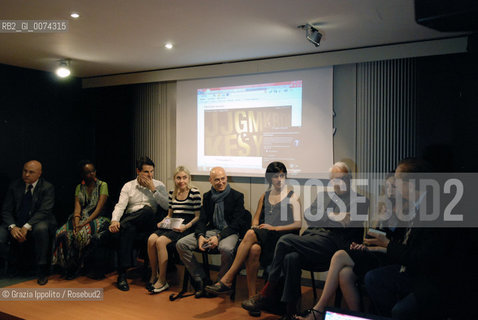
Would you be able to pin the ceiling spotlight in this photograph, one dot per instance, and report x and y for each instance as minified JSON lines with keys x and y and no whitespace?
{"x":63,"y":69}
{"x":312,"y":34}
{"x":168,"y":45}
{"x":75,"y":15}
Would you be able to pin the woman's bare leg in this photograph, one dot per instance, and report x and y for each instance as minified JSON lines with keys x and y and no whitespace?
{"x":241,"y":256}
{"x":153,"y":257}
{"x":252,"y":266}
{"x":162,"y":253}
{"x":347,"y":280}
{"x":339,"y":260}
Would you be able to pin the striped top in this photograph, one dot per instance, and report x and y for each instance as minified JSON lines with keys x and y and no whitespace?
{"x":187,"y":206}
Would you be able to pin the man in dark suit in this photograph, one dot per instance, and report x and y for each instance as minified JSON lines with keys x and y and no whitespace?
{"x":27,"y":218}
{"x":221,"y":221}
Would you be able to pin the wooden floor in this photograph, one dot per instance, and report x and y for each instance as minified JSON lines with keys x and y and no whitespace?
{"x":134,"y":304}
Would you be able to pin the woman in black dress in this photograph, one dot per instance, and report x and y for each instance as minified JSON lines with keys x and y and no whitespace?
{"x":268,"y":225}
{"x":185,"y":203}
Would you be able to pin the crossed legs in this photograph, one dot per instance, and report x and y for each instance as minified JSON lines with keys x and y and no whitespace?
{"x":340,"y":274}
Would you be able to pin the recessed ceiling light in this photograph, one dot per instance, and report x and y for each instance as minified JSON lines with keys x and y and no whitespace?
{"x":168,"y":45}
{"x":75,"y":15}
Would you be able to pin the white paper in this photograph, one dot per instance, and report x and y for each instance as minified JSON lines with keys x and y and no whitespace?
{"x":171,"y":223}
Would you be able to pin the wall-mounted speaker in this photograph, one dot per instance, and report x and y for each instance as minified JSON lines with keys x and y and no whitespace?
{"x":447,"y":15}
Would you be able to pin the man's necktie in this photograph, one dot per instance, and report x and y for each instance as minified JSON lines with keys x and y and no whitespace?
{"x":25,"y":208}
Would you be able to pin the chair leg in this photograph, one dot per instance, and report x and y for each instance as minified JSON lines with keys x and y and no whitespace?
{"x":181,"y":294}
{"x":233,"y":293}
{"x":314,"y":289}
{"x":205,"y":263}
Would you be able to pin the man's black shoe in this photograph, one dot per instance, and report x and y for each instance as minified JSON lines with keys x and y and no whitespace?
{"x":42,"y":274}
{"x":255,"y":303}
{"x":42,"y":280}
{"x":122,"y":283}
{"x":199,"y":287}
{"x":201,"y":292}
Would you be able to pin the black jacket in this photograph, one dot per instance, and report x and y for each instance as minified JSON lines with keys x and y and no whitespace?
{"x":43,"y":201}
{"x":234,"y":213}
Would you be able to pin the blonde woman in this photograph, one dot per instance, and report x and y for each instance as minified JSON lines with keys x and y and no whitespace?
{"x":185,"y":203}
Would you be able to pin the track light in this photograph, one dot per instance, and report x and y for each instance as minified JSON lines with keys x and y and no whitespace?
{"x":63,"y":69}
{"x":312,"y":34}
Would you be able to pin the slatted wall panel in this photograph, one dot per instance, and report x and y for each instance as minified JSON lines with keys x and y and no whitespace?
{"x":148,"y":123}
{"x":386,"y":114}
{"x":385,"y":119}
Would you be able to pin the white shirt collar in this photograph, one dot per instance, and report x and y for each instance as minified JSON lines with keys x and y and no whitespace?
{"x":34,"y":184}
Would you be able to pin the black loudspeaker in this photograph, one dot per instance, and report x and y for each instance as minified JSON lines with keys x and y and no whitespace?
{"x":472,"y":46}
{"x":447,"y":15}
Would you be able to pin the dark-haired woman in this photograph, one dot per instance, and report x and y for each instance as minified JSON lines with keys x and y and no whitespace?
{"x":75,"y":235}
{"x":268,"y":225}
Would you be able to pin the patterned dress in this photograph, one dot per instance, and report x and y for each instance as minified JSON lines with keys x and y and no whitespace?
{"x":70,"y":249}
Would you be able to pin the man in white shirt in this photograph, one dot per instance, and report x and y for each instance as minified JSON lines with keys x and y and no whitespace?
{"x":135,"y":212}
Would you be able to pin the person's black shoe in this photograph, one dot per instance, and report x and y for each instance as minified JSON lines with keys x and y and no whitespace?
{"x":42,"y":272}
{"x":318,"y":315}
{"x":254,"y":313}
{"x":255,"y":303}
{"x":150,"y":284}
{"x":42,"y":280}
{"x":199,"y":287}
{"x":122,"y":283}
{"x":218,"y":288}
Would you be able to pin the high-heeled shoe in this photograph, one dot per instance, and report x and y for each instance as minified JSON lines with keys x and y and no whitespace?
{"x":318,"y":315}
